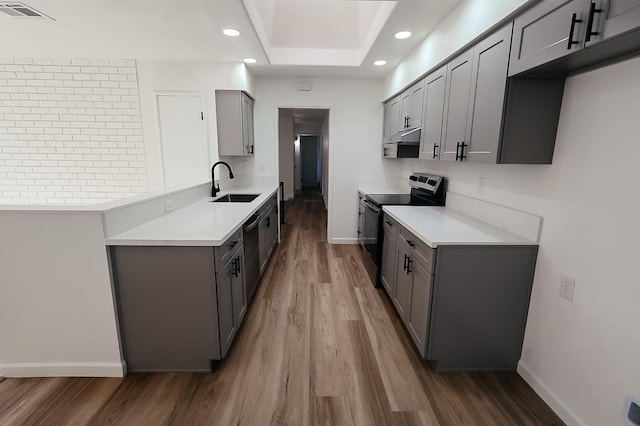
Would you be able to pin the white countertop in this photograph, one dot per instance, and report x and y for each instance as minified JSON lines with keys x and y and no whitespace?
{"x":202,"y":223}
{"x":442,"y":226}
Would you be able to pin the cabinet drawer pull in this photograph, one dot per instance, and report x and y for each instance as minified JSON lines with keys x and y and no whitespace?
{"x":388,"y":223}
{"x":232,"y":244}
{"x":574,"y":21}
{"x":592,"y":11}
{"x":411,"y":243}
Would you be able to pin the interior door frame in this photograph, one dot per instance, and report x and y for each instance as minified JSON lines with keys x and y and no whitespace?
{"x":330,"y":159}
{"x":203,"y":104}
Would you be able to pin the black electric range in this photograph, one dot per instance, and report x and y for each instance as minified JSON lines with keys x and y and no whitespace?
{"x":426,"y":190}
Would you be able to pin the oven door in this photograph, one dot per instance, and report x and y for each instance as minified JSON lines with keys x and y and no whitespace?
{"x":371,"y":228}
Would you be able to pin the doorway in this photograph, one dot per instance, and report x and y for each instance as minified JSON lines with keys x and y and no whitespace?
{"x":304,"y":151}
{"x":183,"y":138}
{"x":310,"y":162}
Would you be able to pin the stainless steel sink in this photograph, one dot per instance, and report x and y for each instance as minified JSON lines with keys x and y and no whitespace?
{"x":237,"y":198}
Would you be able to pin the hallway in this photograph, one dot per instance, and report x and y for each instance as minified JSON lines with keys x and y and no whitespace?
{"x":320,"y":345}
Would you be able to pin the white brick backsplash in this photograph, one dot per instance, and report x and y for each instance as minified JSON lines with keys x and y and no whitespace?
{"x":70,"y":131}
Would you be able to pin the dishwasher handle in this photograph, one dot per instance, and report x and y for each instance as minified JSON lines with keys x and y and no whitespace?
{"x":250,"y":226}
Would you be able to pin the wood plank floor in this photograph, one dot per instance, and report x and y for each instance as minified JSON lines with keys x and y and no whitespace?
{"x":320,"y":346}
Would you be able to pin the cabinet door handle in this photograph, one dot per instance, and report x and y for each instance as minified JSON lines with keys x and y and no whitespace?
{"x":457,"y":151}
{"x":460,"y":147}
{"x":408,"y":122}
{"x":404,"y":267}
{"x":592,"y":11}
{"x":268,"y":221}
{"x":235,"y":270}
{"x":574,"y":21}
{"x":435,"y":146}
{"x":409,"y":263}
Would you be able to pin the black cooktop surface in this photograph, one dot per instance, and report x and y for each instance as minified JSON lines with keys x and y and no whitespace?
{"x":390,"y":199}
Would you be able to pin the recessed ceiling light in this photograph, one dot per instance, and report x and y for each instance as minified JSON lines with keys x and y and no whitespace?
{"x":380,"y":63}
{"x":230,"y":32}
{"x":249,"y":61}
{"x":401,"y":35}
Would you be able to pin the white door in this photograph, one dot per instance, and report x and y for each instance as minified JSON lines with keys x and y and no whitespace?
{"x":185,"y":152}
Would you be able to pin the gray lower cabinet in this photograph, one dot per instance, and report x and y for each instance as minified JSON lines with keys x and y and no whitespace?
{"x":232,"y":298}
{"x":267,"y":232}
{"x":389,"y":252}
{"x":234,"y":113}
{"x":361,"y":208}
{"x":465,"y":307}
{"x":179,"y":308}
{"x":435,"y":85}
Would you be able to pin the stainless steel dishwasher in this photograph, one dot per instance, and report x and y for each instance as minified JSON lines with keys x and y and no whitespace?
{"x":251,"y":255}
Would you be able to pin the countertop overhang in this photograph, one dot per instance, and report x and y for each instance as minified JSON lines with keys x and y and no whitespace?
{"x":202,"y":223}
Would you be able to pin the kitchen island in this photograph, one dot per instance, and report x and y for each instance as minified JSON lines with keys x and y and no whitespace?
{"x":58,"y":315}
{"x":181,"y":283}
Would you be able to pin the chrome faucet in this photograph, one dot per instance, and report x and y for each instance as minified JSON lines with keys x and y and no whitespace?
{"x":215,"y":188}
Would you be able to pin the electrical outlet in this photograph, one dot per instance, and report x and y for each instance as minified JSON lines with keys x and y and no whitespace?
{"x":169,"y":206}
{"x":482,"y":182}
{"x":567,"y":285}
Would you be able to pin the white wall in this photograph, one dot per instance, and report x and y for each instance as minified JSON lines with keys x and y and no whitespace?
{"x":163,"y":76}
{"x":286,"y":153}
{"x":57,"y":315}
{"x":355,"y":129}
{"x":582,"y":356}
{"x":70,"y":131}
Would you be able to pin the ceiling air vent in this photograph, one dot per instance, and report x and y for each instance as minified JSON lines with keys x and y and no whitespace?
{"x":21,"y":10}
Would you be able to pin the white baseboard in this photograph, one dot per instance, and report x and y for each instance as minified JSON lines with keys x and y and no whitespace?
{"x":557,"y":405}
{"x":64,"y":369}
{"x":344,"y":241}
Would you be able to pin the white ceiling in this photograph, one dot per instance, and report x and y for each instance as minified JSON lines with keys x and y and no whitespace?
{"x":298,"y":38}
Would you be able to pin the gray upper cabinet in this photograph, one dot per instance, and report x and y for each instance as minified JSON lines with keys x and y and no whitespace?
{"x":234,"y":114}
{"x":411,"y":102}
{"x":488,"y":83}
{"x":621,"y":16}
{"x":391,"y":116}
{"x":456,"y":126}
{"x":434,"y":100}
{"x":548,"y":31}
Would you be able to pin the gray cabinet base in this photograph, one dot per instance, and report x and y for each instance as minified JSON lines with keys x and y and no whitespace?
{"x":481,"y":300}
{"x":167,"y":307}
